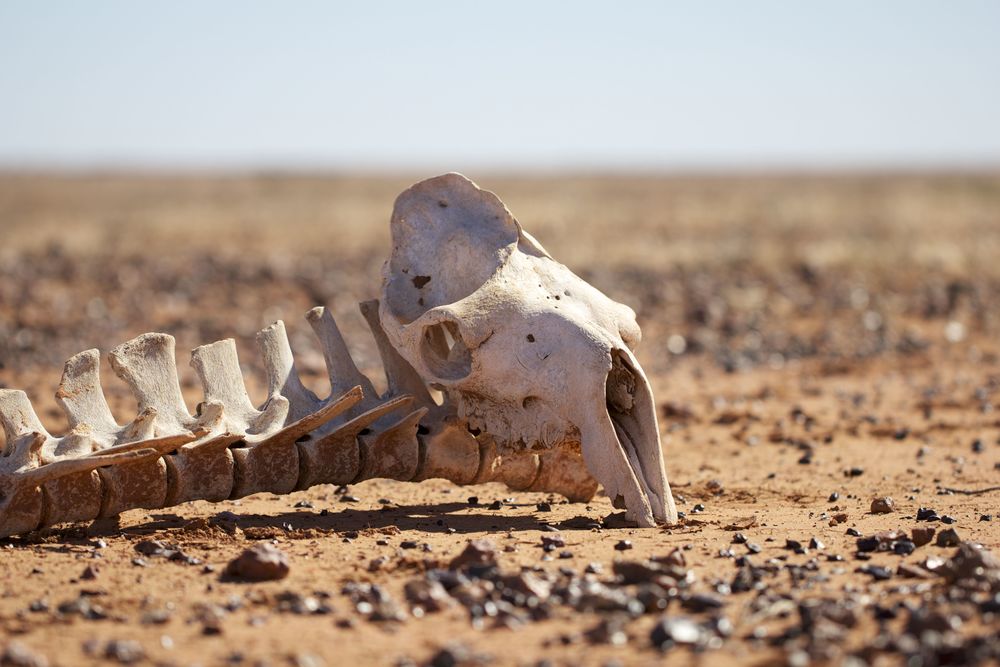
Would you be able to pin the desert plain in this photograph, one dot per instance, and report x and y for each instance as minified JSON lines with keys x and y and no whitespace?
{"x":816,"y":343}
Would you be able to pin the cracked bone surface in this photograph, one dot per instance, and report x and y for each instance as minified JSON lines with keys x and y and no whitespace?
{"x":541,"y":392}
{"x":522,"y":348}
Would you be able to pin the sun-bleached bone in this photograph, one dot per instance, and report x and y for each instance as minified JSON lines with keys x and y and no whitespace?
{"x":522,"y":348}
{"x":229,"y":448}
{"x":533,"y":393}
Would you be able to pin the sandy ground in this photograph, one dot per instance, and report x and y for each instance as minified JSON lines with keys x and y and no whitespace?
{"x":814,"y":344}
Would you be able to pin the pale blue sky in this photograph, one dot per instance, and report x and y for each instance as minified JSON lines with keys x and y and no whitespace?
{"x":454,"y":85}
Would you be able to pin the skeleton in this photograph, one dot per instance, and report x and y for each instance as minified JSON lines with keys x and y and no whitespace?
{"x":538,"y":388}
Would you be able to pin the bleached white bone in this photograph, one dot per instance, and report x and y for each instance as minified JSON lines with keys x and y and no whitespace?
{"x":523,"y":348}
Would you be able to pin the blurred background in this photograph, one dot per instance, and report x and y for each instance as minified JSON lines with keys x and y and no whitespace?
{"x":764,"y":182}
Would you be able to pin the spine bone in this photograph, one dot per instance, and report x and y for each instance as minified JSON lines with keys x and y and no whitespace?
{"x":230,"y":449}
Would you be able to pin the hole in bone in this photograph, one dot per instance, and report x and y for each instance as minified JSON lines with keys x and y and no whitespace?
{"x":420,"y":281}
{"x":442,"y":203}
{"x":444,"y":352}
{"x":620,"y":386}
{"x":422,"y":430}
{"x":529,"y":401}
{"x":531,"y":338}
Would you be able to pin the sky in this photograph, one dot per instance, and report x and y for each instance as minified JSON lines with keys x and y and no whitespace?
{"x":513,"y":84}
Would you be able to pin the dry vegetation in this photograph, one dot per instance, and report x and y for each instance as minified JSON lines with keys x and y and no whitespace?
{"x":796,"y":328}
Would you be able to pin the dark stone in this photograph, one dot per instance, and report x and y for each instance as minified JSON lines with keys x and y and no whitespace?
{"x":261,"y":562}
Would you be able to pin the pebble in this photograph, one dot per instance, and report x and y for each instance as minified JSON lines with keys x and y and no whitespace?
{"x":480,"y":552}
{"x":261,"y":562}
{"x":669,"y":631}
{"x":948,"y":538}
{"x":927,"y":514}
{"x":923,"y":535}
{"x":876,"y":572}
{"x":17,"y":654}
{"x":623,"y":545}
{"x":609,"y":630}
{"x":903,"y":547}
{"x":883,"y":505}
{"x":124,"y":651}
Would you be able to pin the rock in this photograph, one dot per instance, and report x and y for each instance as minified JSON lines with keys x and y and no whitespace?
{"x":922,"y":536}
{"x":261,"y":562}
{"x":867,"y":544}
{"x":476,"y":553}
{"x":948,"y":538}
{"x":669,"y":631}
{"x":125,"y":651}
{"x":973,"y":562}
{"x":883,"y":505}
{"x":17,"y":654}
{"x":701,"y":602}
{"x":552,"y":542}
{"x":427,"y":594}
{"x":913,"y":571}
{"x":903,"y":547}
{"x":876,"y":572}
{"x":609,"y":630}
{"x":637,"y":572}
{"x":458,"y":655}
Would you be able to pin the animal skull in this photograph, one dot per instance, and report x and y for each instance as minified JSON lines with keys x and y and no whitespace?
{"x":521,"y":347}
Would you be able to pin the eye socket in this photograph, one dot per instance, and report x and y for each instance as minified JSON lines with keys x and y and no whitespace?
{"x":444,"y":352}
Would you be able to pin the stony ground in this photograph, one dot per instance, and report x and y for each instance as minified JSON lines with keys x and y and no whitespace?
{"x":817,"y":346}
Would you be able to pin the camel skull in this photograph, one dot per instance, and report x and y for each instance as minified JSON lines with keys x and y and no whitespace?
{"x":523,"y":349}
